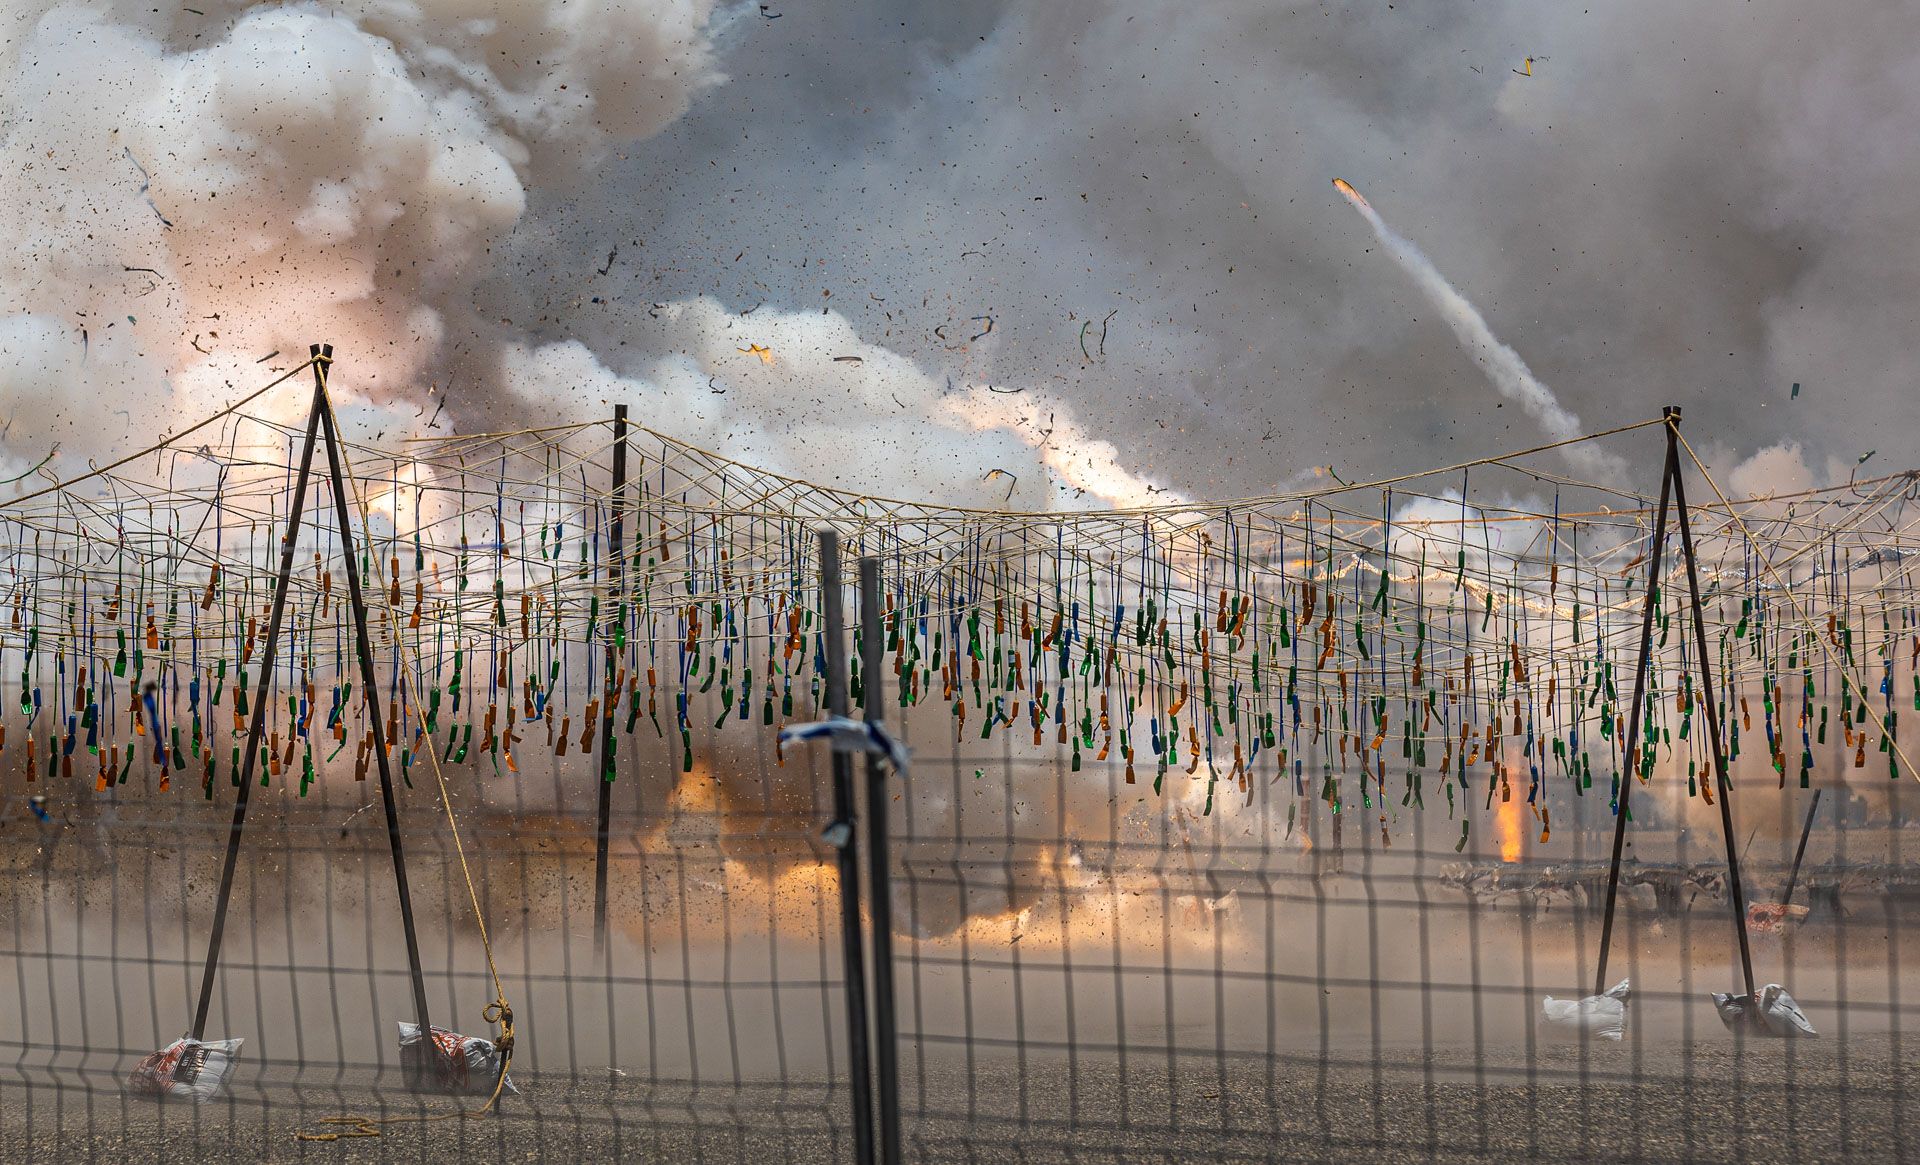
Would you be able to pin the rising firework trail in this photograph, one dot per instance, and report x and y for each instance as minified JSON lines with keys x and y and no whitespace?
{"x":1509,"y":373}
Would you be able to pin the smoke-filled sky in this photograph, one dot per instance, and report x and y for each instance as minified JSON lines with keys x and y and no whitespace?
{"x":1100,"y":237}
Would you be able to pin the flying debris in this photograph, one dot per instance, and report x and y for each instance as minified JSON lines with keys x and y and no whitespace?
{"x":145,"y":184}
{"x":35,"y":467}
{"x":765,"y":353}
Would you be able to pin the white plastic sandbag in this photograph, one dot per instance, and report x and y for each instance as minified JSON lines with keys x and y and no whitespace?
{"x":1778,"y":1015}
{"x":1604,"y":1016}
{"x":449,"y":1062}
{"x":186,"y":1067}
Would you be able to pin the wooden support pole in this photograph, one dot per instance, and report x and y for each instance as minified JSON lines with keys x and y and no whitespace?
{"x":1631,"y":745}
{"x":1723,"y":782}
{"x":369,"y":682}
{"x":609,"y":688}
{"x":256,"y":724}
{"x":1793,"y":877}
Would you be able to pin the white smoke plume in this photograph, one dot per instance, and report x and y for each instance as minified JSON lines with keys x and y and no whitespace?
{"x":801,"y":394}
{"x":188,"y":192}
{"x":1503,"y":366}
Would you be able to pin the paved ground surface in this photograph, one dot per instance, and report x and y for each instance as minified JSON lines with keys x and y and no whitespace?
{"x":1711,"y":1101}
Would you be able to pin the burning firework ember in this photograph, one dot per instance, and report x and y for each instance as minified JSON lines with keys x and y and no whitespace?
{"x":1359,"y":200}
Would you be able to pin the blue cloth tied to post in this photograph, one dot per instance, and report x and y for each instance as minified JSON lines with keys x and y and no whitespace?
{"x":850,"y":735}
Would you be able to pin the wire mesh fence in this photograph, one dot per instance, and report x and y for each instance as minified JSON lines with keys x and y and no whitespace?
{"x":1084,"y":972}
{"x":1275,"y":936}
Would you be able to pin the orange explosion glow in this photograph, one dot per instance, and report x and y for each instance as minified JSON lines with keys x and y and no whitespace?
{"x":1507,"y":821}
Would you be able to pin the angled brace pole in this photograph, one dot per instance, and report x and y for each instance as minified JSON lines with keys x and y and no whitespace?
{"x":1806,"y":831}
{"x":323,"y":363}
{"x":1723,"y":782}
{"x":1668,"y":475}
{"x":256,"y":724}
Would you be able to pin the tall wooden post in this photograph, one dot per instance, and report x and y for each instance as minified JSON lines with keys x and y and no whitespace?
{"x":1631,"y":744}
{"x":609,"y":688}
{"x":370,"y":684}
{"x":256,"y":724}
{"x":1723,"y":781}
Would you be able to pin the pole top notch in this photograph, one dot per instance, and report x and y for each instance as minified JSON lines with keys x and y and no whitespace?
{"x":1670,"y":413}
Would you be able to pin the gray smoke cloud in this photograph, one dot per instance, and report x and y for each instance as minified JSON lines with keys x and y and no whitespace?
{"x":1697,"y":206}
{"x":1504,"y":367}
{"x":1070,"y":233}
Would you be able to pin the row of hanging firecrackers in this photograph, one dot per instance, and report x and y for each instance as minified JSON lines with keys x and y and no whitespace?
{"x":1303,"y":637}
{"x":538,"y":696}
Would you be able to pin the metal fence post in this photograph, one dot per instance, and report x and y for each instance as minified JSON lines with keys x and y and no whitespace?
{"x":879,"y":881}
{"x":842,"y":833}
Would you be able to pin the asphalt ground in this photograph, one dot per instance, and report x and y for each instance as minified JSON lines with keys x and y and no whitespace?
{"x":1714,"y":1100}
